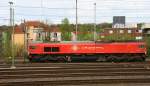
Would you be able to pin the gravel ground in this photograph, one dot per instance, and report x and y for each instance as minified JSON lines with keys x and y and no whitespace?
{"x":75,"y":74}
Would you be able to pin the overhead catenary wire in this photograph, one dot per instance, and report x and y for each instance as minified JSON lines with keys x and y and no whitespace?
{"x":51,"y":12}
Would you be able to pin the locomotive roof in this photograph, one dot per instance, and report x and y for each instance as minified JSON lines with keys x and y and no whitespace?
{"x":86,"y":42}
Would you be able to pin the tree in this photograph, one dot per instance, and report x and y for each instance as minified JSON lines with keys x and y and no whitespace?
{"x":66,"y":30}
{"x":85,"y":32}
{"x":147,"y":39}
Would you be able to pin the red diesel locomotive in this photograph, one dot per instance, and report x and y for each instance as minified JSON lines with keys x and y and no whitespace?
{"x":92,"y":51}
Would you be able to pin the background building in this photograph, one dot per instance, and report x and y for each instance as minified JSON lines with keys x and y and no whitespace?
{"x":119,"y":22}
{"x":121,"y":34}
{"x":146,"y":29}
{"x":36,"y":32}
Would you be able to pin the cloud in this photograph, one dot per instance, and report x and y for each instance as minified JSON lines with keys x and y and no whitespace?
{"x":56,"y":10}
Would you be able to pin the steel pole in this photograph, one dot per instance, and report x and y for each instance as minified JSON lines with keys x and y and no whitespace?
{"x":10,"y":21}
{"x":94,"y":21}
{"x":25,"y":47}
{"x":12,"y":26}
{"x":76,"y":20}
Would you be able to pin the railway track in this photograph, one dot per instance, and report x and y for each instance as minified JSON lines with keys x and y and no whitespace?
{"x":76,"y":74}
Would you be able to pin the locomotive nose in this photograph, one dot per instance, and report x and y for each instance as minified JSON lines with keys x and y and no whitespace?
{"x":32,"y":47}
{"x":142,"y":46}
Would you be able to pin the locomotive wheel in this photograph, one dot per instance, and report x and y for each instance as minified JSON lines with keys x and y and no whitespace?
{"x":124,"y":58}
{"x":115,"y":59}
{"x":61,"y":59}
{"x":109,"y":59}
{"x":30,"y":59}
{"x":101,"y":59}
{"x":143,"y":59}
{"x":68,"y":58}
{"x":34,"y":60}
{"x":139,"y":58}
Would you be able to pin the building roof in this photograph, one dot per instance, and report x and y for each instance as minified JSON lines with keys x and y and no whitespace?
{"x":18,"y":30}
{"x":52,"y":28}
{"x":4,"y":28}
{"x":120,"y":28}
{"x":34,"y":23}
{"x":46,"y":28}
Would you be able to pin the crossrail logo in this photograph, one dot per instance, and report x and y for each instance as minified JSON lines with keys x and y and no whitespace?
{"x":99,"y":47}
{"x":75,"y":48}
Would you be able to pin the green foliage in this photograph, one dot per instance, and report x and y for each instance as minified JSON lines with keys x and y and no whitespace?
{"x":139,"y":25}
{"x":66,"y":30}
{"x":117,"y":37}
{"x":84,"y":32}
{"x":19,"y":50}
{"x":66,"y":36}
{"x":105,"y":25}
{"x":85,"y":36}
{"x":6,"y":43}
{"x":7,"y":48}
{"x":148,"y":45}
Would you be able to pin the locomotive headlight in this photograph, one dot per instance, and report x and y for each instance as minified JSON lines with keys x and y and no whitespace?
{"x":141,"y":46}
{"x":32,"y":47}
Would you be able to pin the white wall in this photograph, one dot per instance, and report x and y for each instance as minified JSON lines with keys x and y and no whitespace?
{"x":57,"y":37}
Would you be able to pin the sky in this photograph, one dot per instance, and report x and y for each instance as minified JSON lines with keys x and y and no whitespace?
{"x":53,"y":11}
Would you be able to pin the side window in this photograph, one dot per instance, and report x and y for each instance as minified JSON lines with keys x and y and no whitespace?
{"x":51,"y":49}
{"x":136,"y":31}
{"x":121,"y":31}
{"x":55,"y":35}
{"x":111,"y":32}
{"x":102,"y":36}
{"x":140,"y":31}
{"x":55,"y":49}
{"x":139,"y":38}
{"x":129,"y":31}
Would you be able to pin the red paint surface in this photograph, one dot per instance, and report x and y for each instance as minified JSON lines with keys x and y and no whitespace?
{"x":89,"y":48}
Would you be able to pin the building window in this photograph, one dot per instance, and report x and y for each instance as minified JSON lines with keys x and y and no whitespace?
{"x":36,"y":26}
{"x":140,"y":31}
{"x":121,"y":31}
{"x":111,"y":31}
{"x":55,"y":35}
{"x":28,"y":35}
{"x":38,"y":36}
{"x":129,"y":31}
{"x":138,"y":37}
{"x":148,"y":32}
{"x":102,"y":36}
{"x":136,"y":31}
{"x":37,"y":30}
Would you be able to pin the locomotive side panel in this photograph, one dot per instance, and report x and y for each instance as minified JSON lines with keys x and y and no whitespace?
{"x":102,"y":51}
{"x":127,"y":48}
{"x":79,"y":48}
{"x":87,"y":48}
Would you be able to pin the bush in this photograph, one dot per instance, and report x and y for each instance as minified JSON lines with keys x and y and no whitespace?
{"x":148,"y":45}
{"x":7,"y":53}
{"x":119,"y":38}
